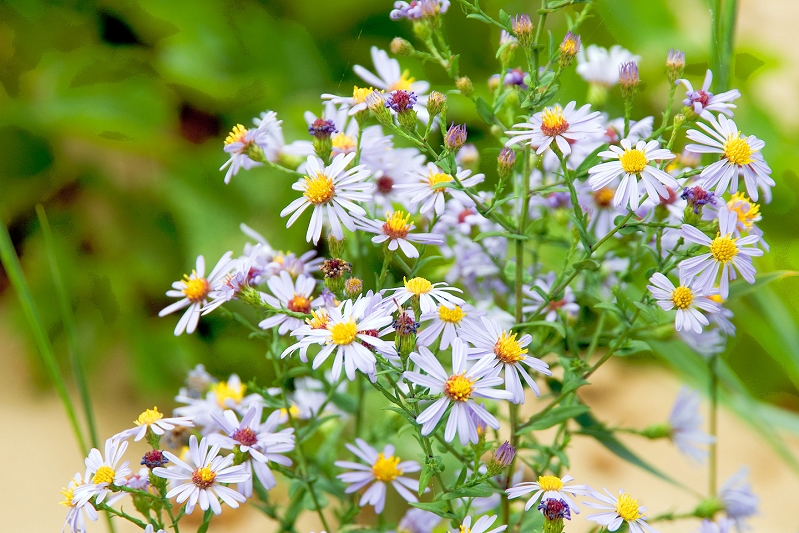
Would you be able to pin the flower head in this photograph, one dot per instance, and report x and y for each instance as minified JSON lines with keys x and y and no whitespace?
{"x":481,"y":525}
{"x":430,"y":295}
{"x":396,"y":231}
{"x":685,"y":422}
{"x":740,"y":502}
{"x":103,"y":471}
{"x":79,"y":509}
{"x":549,"y":488}
{"x":703,"y":102}
{"x":618,"y":509}
{"x":154,"y":420}
{"x":687,"y":299}
{"x":555,"y":124}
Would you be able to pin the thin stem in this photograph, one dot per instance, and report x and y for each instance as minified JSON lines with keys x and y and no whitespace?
{"x":122,"y":514}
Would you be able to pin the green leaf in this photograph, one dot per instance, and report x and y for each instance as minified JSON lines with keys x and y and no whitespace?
{"x":573,"y":384}
{"x":634,"y":347}
{"x":740,"y":289}
{"x":592,"y":160}
{"x":587,"y":264}
{"x":506,"y":234}
{"x":504,"y":19}
{"x":484,"y":110}
{"x":544,"y":324}
{"x":557,"y":415}
{"x":469,"y":492}
{"x":453,"y":65}
{"x":587,"y":239}
{"x":647,"y":310}
{"x":439,"y":508}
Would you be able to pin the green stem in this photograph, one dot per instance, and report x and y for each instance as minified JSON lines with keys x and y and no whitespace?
{"x":122,"y":514}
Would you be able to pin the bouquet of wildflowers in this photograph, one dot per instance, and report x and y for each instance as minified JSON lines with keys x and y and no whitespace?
{"x":444,"y":317}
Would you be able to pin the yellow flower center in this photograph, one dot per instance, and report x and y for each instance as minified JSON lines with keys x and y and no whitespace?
{"x":682,"y":297}
{"x":299,"y":304}
{"x":397,"y":225}
{"x":293,"y":410}
{"x":437,"y":179}
{"x":203,"y":477}
{"x":723,"y":249}
{"x":319,"y":319}
{"x":508,"y":350}
{"x":148,"y":417}
{"x":104,"y":474}
{"x":459,"y":387}
{"x":717,"y":298}
{"x":603,"y":197}
{"x":359,"y":95}
{"x":404,"y":83}
{"x":633,"y":161}
{"x":627,"y":507}
{"x":737,"y":150}
{"x":550,"y":483}
{"x":196,"y":288}
{"x":553,"y":122}
{"x":343,"y":332}
{"x":385,"y":468}
{"x":569,"y":47}
{"x":236,"y":135}
{"x":224,"y":391}
{"x":343,"y":143}
{"x":747,"y":211}
{"x":418,"y":286}
{"x":453,"y":316}
{"x":319,"y":189}
{"x":69,"y":493}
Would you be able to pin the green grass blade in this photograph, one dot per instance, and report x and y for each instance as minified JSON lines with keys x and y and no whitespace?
{"x":10,"y":261}
{"x":69,"y":326}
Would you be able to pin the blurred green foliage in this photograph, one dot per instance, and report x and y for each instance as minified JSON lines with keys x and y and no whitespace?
{"x":112,"y":115}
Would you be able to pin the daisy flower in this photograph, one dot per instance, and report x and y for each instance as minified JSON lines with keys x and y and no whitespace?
{"x":242,"y":143}
{"x":418,"y":521}
{"x":380,"y":469}
{"x":481,"y":526}
{"x":259,"y":445}
{"x":548,"y":487}
{"x":396,"y":230}
{"x":561,"y":125}
{"x":154,"y":420}
{"x":351,"y":331}
{"x":430,"y":295}
{"x":446,"y":322}
{"x":78,"y":511}
{"x":351,"y":104}
{"x":600,"y":66}
{"x":203,"y":484}
{"x":686,"y":425}
{"x":458,"y":389}
{"x":739,"y":501}
{"x":194,"y":291}
{"x":221,"y":395}
{"x":237,"y":280}
{"x":374,"y":145}
{"x":293,"y":294}
{"x":508,"y":354}
{"x":418,"y":9}
{"x":633,"y":164}
{"x":104,"y":473}
{"x":725,"y":252}
{"x":618,"y":509}
{"x":686,"y":299}
{"x":330,"y":190}
{"x":276,"y":147}
{"x":270,"y":262}
{"x":703,"y":101}
{"x":724,"y":525}
{"x":391,"y":78}
{"x":432,"y":189}
{"x":534,"y":300}
{"x":739,"y":155}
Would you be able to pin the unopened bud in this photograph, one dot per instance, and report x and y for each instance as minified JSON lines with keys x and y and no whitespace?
{"x":628,"y":79}
{"x":502,"y":458}
{"x":505,"y":162}
{"x":464,"y":85}
{"x":376,"y":103}
{"x":405,"y":328}
{"x":657,"y":431}
{"x":455,"y":137}
{"x":322,"y":130}
{"x":493,"y":82}
{"x":523,"y":29}
{"x":707,"y":508}
{"x":554,"y":511}
{"x":675,"y":64}
{"x":436,"y":102}
{"x":353,"y":287}
{"x":401,"y":47}
{"x":568,"y":49}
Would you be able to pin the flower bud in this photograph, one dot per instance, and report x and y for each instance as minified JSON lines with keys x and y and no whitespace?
{"x":502,"y":458}
{"x":154,"y":458}
{"x":436,"y":103}
{"x":505,"y":162}
{"x":401,"y":47}
{"x":322,"y":130}
{"x":523,"y":29}
{"x":402,"y":103}
{"x":335,"y":246}
{"x":334,"y":270}
{"x":376,"y":103}
{"x":464,"y":85}
{"x":628,"y":79}
{"x":707,"y":508}
{"x":657,"y":431}
{"x":554,"y":512}
{"x":353,"y":287}
{"x":675,"y":64}
{"x":405,"y":328}
{"x":568,"y":49}
{"x":493,"y":82}
{"x":455,"y":137}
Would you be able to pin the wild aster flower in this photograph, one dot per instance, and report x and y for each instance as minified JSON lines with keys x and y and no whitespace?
{"x":400,"y":101}
{"x":257,"y":441}
{"x":78,"y":511}
{"x":397,"y":231}
{"x":418,"y":9}
{"x":351,"y":331}
{"x":154,"y":420}
{"x":230,"y":394}
{"x":104,"y":473}
{"x":269,"y":262}
{"x":203,"y":484}
{"x":724,"y":525}
{"x":686,"y":299}
{"x":568,"y":49}
{"x":739,"y":155}
{"x":481,"y":526}
{"x":697,"y":198}
{"x":600,"y":66}
{"x":140,"y":480}
{"x":508,"y":354}
{"x":515,"y":76}
{"x":533,"y":300}
{"x":739,"y":501}
{"x":352,"y":104}
{"x":332,"y":192}
{"x":430,"y":295}
{"x":554,"y":510}
{"x":725,"y":252}
{"x":380,"y":469}
{"x":235,"y":281}
{"x":686,"y":425}
{"x":242,"y":144}
{"x":194,"y":291}
{"x":293,"y":294}
{"x":418,"y":521}
{"x":276,"y":148}
{"x":391,"y":78}
{"x":548,"y":487}
{"x":457,"y":390}
{"x":561,"y":125}
{"x":703,"y":102}
{"x":446,"y":322}
{"x":431,"y":189}
{"x":633,"y":164}
{"x":621,"y":508}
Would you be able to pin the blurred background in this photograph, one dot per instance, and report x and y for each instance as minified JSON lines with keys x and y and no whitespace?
{"x":113,"y":113}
